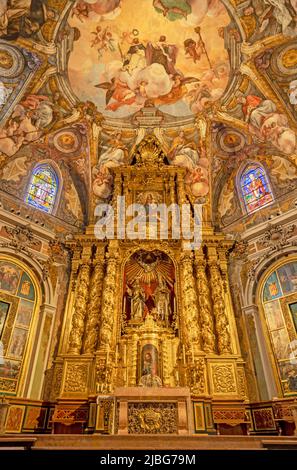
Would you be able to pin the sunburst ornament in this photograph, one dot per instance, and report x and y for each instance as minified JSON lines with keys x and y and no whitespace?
{"x":149,"y":153}
{"x":149,"y":267}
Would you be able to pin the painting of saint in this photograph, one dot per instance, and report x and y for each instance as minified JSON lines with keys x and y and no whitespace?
{"x":18,"y":342}
{"x":184,"y":153}
{"x":21,"y":18}
{"x":4,"y":308}
{"x":26,"y":288}
{"x":274,"y":315}
{"x":149,"y":367}
{"x":113,"y":153}
{"x":293,"y":310}
{"x":29,"y":119}
{"x":272,"y":289}
{"x":10,"y":369}
{"x":9,"y":277}
{"x":267,"y":123}
{"x":288,"y":277}
{"x":24,"y":313}
{"x":280,"y":341}
{"x":288,"y":373}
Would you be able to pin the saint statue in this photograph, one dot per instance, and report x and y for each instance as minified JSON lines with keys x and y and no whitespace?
{"x":137,"y":301}
{"x":162,"y":301}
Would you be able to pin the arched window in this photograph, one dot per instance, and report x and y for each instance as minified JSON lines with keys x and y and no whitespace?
{"x":255,"y":188}
{"x":43,"y":188}
{"x":279,"y":300}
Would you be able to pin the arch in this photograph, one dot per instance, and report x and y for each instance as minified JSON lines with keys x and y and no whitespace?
{"x":44,"y":187}
{"x":20,"y":300}
{"x":148,"y":272}
{"x":254,"y":188}
{"x":252,"y":307}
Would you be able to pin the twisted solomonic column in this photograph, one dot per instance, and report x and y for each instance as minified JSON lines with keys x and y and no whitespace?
{"x":93,"y":319}
{"x":108,"y":314}
{"x":204,"y":301}
{"x":190,"y":307}
{"x":80,"y":308}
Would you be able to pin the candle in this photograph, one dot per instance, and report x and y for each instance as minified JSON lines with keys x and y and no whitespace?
{"x":107,"y":356}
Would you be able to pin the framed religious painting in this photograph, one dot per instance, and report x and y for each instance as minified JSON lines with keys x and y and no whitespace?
{"x":4,"y":309}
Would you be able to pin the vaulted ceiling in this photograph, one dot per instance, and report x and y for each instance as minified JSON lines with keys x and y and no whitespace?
{"x":83,"y":82}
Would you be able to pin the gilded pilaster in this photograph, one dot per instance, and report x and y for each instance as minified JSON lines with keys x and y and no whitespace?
{"x":93,"y":319}
{"x":190,"y":308}
{"x":80,"y":307}
{"x":219,"y":309}
{"x":207,"y":323}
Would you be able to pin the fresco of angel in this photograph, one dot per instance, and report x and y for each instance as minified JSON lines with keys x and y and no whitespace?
{"x":113,"y":153}
{"x":30,"y":118}
{"x":184,"y":153}
{"x":267,"y":123}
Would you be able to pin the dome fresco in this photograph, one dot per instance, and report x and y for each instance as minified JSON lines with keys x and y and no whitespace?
{"x":164,"y":53}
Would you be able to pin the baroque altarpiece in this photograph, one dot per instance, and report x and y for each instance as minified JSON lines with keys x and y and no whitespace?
{"x":111,"y":104}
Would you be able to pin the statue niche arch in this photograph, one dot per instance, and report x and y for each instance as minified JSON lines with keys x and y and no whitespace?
{"x":149,"y":319}
{"x":149,"y":289}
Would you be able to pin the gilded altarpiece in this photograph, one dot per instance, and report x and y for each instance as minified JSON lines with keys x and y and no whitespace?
{"x":149,"y":313}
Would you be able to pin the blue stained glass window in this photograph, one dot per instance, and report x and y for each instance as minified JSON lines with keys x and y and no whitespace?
{"x":255,"y":188}
{"x":43,"y":188}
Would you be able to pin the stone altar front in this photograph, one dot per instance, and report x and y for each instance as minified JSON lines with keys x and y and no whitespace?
{"x":160,"y":410}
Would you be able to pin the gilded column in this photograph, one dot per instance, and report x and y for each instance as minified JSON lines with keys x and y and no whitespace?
{"x":204,"y":301}
{"x":190,"y":308}
{"x":108,"y":314}
{"x":92,"y":326}
{"x":219,"y":309}
{"x":80,"y":307}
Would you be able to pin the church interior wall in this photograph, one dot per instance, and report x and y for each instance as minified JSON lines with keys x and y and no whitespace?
{"x":93,"y":109}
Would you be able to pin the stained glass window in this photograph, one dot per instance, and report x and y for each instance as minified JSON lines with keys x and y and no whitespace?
{"x":255,"y":188}
{"x":43,"y":188}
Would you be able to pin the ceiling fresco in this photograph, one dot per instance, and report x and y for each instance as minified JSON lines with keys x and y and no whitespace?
{"x":164,"y":53}
{"x":83,"y":82}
